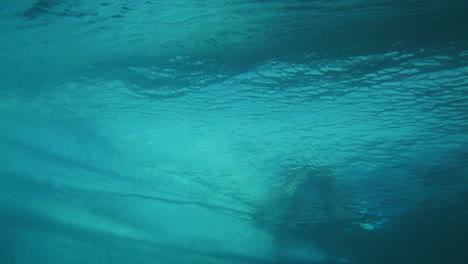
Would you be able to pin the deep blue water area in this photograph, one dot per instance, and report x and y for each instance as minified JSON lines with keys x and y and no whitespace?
{"x":234,"y":131}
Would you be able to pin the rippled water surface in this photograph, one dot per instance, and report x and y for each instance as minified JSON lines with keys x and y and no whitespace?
{"x":233,"y":131}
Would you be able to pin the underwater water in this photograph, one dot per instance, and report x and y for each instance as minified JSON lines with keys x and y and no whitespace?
{"x":234,"y":131}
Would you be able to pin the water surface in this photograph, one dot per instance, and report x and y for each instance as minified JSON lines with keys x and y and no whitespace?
{"x":233,"y":131}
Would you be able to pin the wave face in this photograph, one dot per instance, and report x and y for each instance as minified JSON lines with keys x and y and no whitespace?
{"x":233,"y":131}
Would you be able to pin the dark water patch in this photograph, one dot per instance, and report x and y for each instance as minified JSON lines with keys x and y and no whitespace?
{"x":429,"y":234}
{"x":40,"y":7}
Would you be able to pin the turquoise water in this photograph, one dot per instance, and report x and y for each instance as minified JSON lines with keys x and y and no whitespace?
{"x":233,"y":131}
